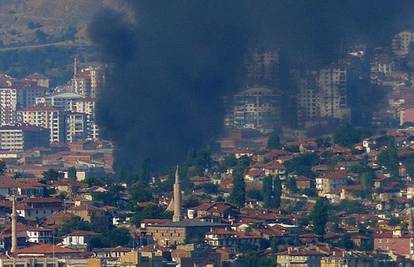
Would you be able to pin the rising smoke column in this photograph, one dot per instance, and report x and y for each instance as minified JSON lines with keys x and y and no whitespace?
{"x":171,"y":66}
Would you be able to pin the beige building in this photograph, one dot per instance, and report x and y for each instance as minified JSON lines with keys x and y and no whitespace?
{"x":16,"y":138}
{"x":47,"y":117}
{"x":76,"y":127}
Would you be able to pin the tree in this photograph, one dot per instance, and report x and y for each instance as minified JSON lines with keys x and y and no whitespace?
{"x":367,"y":179}
{"x":348,"y":136}
{"x":291,"y":184}
{"x":389,"y":158}
{"x":277,"y":192}
{"x":302,"y":165}
{"x":272,"y":191}
{"x":229,"y":162}
{"x":150,"y":212}
{"x":145,"y":172}
{"x":3,"y":167}
{"x":52,"y":175}
{"x":72,"y":173}
{"x":210,"y":188}
{"x":319,"y":216}
{"x":273,"y":142}
{"x":267,"y":189}
{"x":238,"y":194}
{"x":139,"y":193}
{"x":409,"y":165}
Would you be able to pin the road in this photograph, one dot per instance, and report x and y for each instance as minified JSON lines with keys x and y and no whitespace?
{"x":29,"y":47}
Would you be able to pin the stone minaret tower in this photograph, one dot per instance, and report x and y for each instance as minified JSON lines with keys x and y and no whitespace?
{"x":14,"y":226}
{"x":177,"y":198}
{"x":75,"y":68}
{"x":410,"y":222}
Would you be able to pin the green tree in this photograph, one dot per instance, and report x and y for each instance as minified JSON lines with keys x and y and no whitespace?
{"x":229,"y":162}
{"x":273,"y":142}
{"x":319,"y":216}
{"x":139,"y":193}
{"x":145,"y":172}
{"x":150,"y":212}
{"x":3,"y":167}
{"x":409,"y":165}
{"x":52,"y":175}
{"x":277,"y":192}
{"x":367,"y":180}
{"x":267,"y":191}
{"x":348,"y":136}
{"x":238,"y":194}
{"x":302,"y":165}
{"x":272,"y":191}
{"x":72,"y":173}
{"x":389,"y":158}
{"x":291,"y":184}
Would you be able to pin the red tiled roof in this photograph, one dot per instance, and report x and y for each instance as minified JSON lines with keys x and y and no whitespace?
{"x":46,"y":249}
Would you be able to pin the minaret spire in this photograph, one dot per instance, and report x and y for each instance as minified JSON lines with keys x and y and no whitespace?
{"x":177,"y":197}
{"x":75,"y":68}
{"x":410,"y":221}
{"x":14,"y":226}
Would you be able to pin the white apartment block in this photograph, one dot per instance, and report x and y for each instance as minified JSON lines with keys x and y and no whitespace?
{"x":26,"y":97}
{"x":60,"y":100}
{"x":17,"y":138}
{"x":333,"y":93}
{"x":47,"y":117}
{"x":8,"y":104}
{"x":401,"y":43}
{"x":77,"y":127}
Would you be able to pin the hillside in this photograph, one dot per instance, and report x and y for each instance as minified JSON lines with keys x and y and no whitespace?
{"x":25,"y":22}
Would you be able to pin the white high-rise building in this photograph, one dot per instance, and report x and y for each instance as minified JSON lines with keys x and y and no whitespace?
{"x":333,"y":93}
{"x":8,"y":104}
{"x":47,"y":117}
{"x":77,"y":127}
{"x":401,"y":43}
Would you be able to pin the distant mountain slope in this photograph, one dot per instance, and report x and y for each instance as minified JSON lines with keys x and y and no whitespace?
{"x":40,"y":21}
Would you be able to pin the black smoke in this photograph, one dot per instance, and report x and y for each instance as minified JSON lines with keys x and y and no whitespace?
{"x":172,"y":63}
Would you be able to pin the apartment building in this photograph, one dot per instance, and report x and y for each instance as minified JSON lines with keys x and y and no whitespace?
{"x":256,"y":108}
{"x":401,"y":43}
{"x":47,"y":117}
{"x":77,"y":127}
{"x":333,"y":93}
{"x":8,"y":104}
{"x":16,"y":138}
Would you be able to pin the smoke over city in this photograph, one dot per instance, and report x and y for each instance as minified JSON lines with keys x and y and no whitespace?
{"x":172,"y":64}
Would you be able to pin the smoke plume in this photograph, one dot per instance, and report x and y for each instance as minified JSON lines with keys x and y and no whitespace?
{"x":172,"y":64}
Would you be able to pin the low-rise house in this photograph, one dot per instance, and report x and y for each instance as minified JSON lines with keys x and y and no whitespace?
{"x":39,"y":234}
{"x":233,"y":239}
{"x":217,"y":209}
{"x":47,"y":250}
{"x":396,"y":241}
{"x":78,"y":239}
{"x":111,"y":253}
{"x":331,"y":182}
{"x":178,"y":233}
{"x":303,"y":183}
{"x":300,"y":257}
{"x":21,"y":187}
{"x":89,"y":213}
{"x":38,"y":208}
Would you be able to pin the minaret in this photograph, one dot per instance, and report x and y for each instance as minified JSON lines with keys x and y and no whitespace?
{"x":13,"y":226}
{"x":410,"y":222}
{"x":75,"y":68}
{"x":177,"y":198}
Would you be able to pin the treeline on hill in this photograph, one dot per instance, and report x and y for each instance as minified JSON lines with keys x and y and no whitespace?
{"x":54,"y":62}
